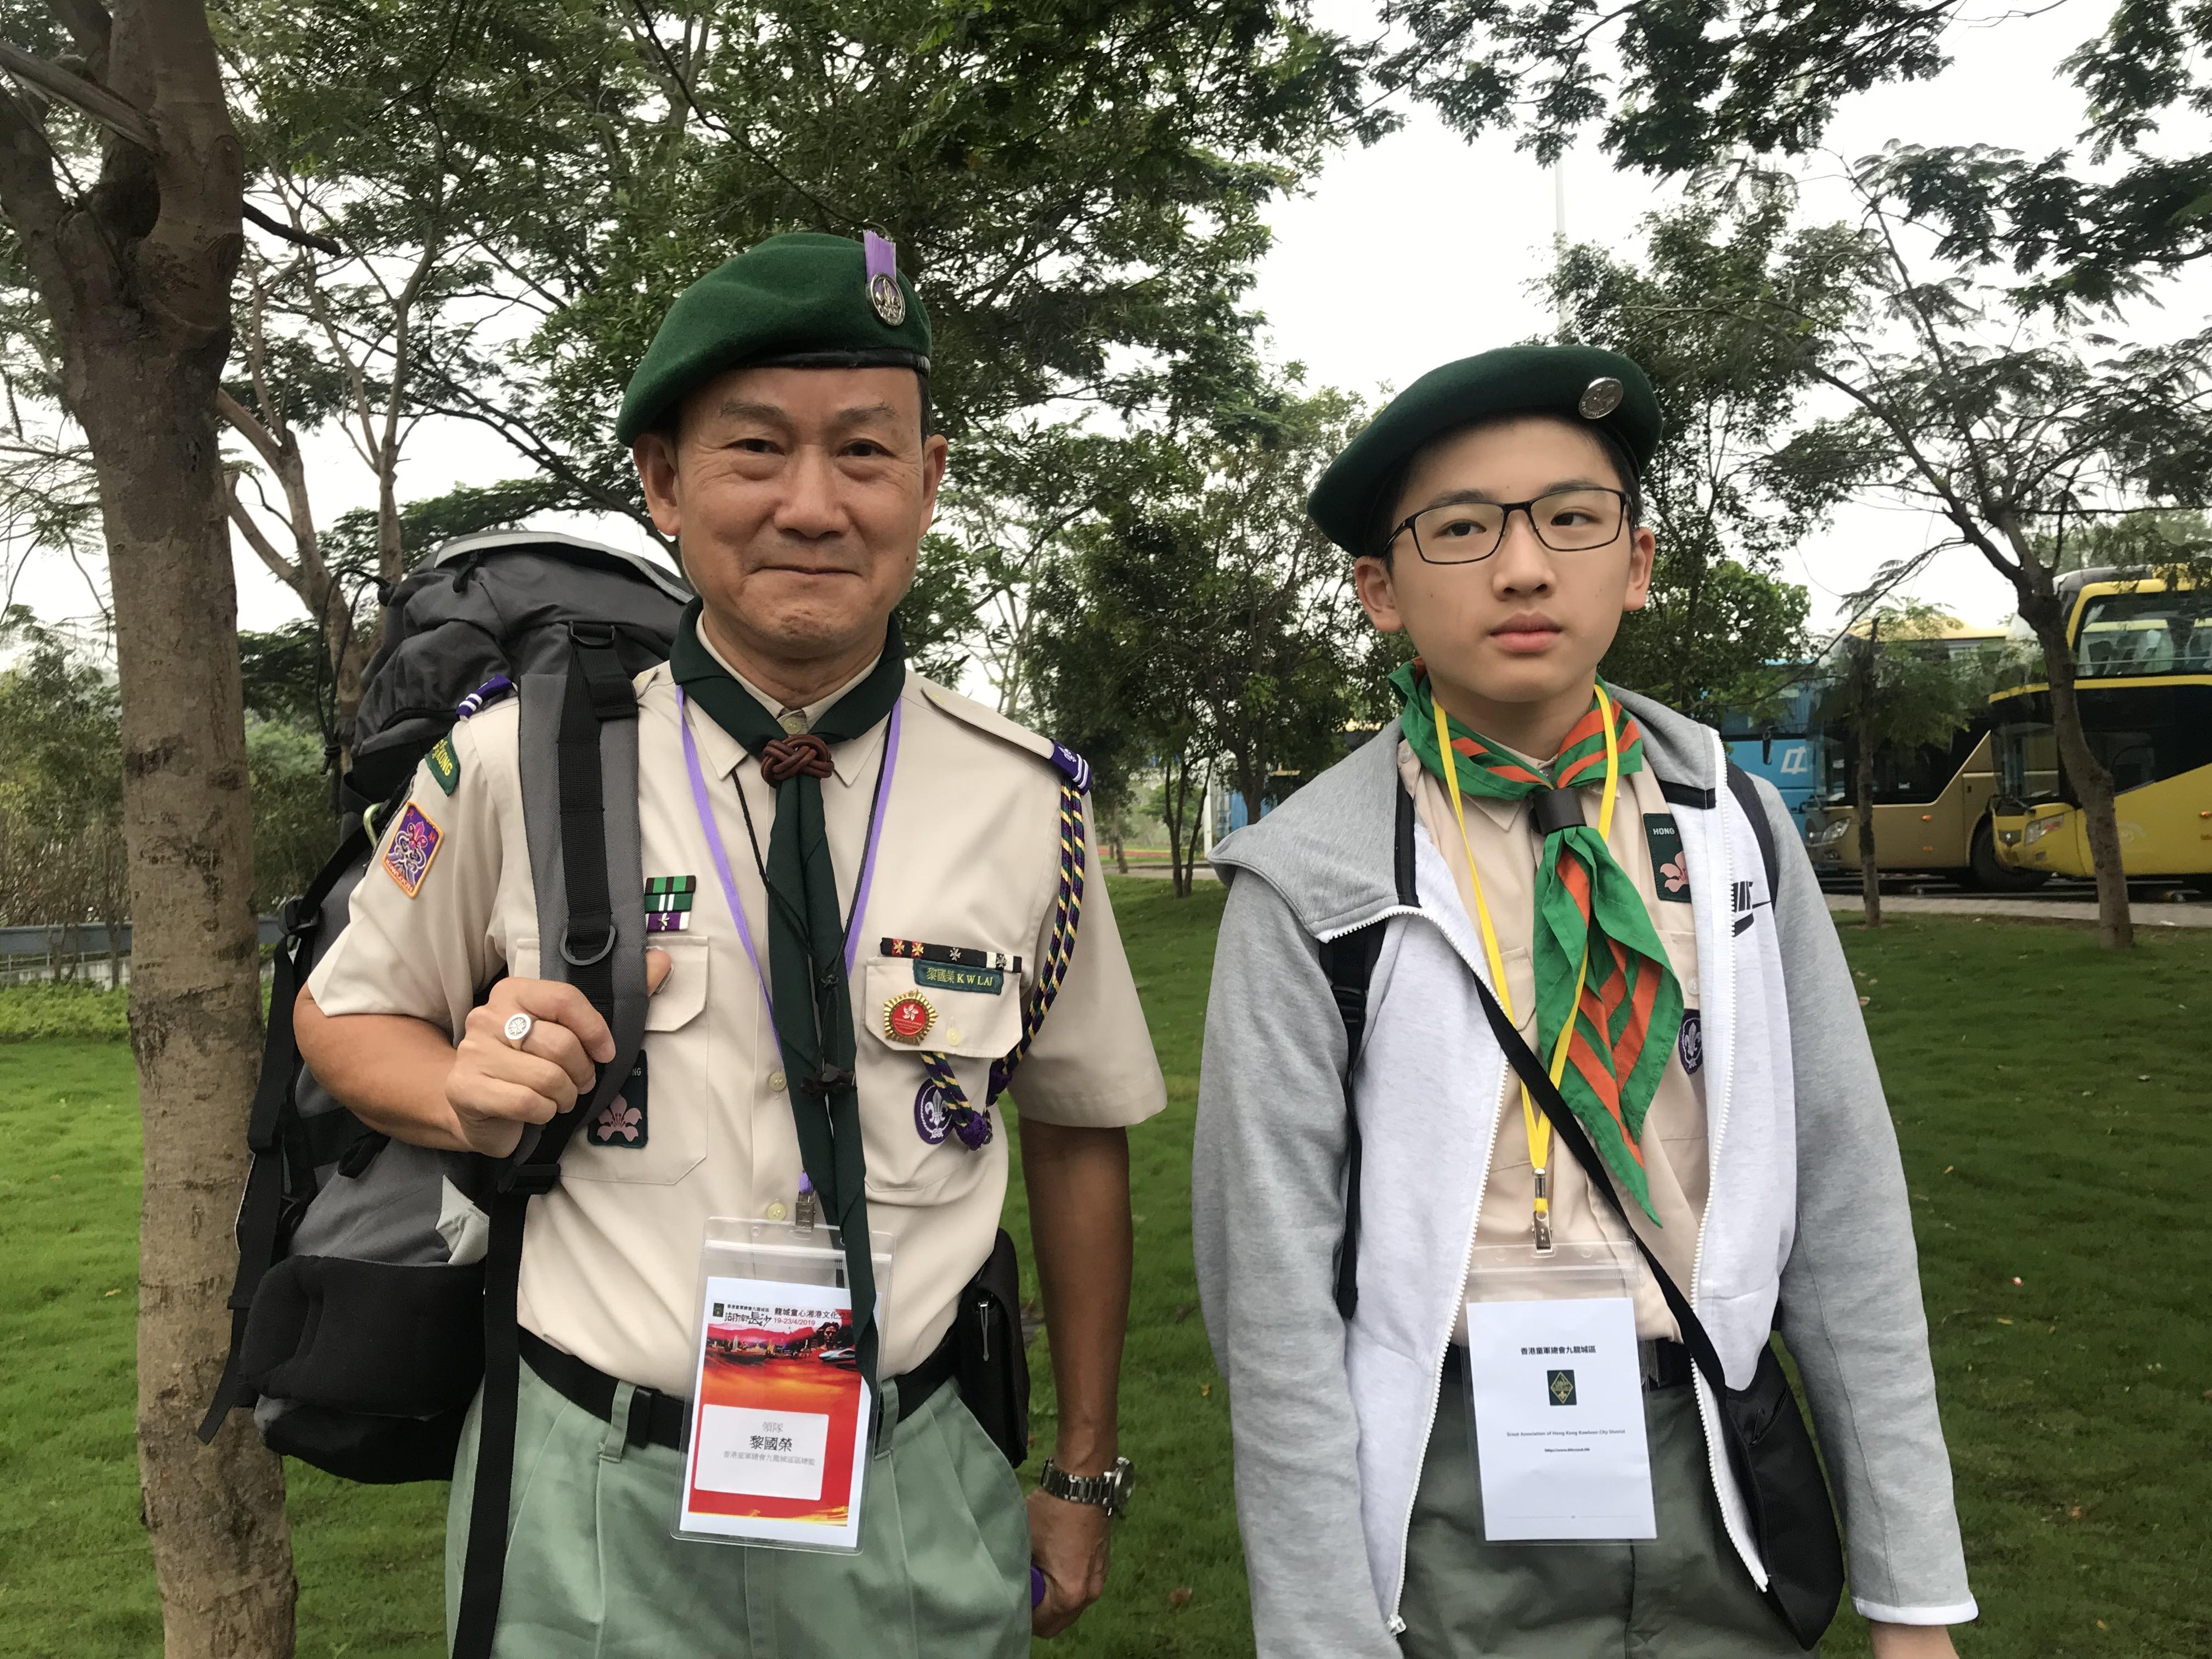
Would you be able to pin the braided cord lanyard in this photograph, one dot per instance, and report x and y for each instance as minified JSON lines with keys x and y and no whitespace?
{"x":974,"y":1126}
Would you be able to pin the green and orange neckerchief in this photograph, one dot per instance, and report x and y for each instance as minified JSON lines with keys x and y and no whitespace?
{"x":1596,"y":952}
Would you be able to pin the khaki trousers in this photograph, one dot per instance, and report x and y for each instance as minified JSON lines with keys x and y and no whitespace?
{"x":591,"y":1572}
{"x":1684,"y":1594}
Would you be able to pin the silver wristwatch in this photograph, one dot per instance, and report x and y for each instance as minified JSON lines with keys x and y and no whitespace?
{"x":1108,"y":1492}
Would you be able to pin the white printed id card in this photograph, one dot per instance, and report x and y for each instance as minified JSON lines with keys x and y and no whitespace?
{"x":1556,"y":1385}
{"x":777,"y":1444}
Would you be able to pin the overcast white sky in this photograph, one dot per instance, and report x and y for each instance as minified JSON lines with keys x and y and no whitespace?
{"x":1423,"y":249}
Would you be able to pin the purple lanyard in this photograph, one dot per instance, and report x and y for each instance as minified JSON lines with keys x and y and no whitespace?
{"x":722,"y":857}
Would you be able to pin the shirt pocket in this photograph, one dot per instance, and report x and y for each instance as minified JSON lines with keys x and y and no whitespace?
{"x":971,"y":1017}
{"x":933,"y":1008}
{"x":678,"y":1056}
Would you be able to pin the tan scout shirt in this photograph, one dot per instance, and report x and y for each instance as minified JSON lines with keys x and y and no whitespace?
{"x":969,"y":857}
{"x":1507,"y":851}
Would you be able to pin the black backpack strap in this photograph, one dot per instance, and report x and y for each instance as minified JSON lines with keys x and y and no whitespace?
{"x":1348,"y":963}
{"x":261,"y":1210}
{"x":583,"y":917}
{"x":1747,"y":796}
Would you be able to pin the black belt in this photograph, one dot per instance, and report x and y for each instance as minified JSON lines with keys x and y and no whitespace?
{"x":658,"y":1419}
{"x":1666,"y":1364}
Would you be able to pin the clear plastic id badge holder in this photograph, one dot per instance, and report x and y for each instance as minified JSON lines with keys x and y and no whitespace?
{"x":776,"y":1451}
{"x":1555,"y":1386}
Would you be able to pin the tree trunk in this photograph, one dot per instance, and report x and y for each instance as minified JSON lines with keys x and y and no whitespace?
{"x":135,"y":275}
{"x":1197,"y":828}
{"x":221,"y":1547}
{"x":1175,"y":800}
{"x":2092,"y":783}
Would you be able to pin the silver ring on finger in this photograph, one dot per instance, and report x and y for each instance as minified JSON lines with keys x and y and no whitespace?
{"x":517,"y":1029}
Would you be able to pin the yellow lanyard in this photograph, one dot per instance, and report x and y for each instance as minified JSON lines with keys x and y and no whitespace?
{"x":1538,"y":1126}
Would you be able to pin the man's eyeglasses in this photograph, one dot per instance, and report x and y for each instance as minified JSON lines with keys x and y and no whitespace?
{"x":1566,"y":521}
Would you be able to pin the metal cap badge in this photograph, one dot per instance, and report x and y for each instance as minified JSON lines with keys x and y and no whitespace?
{"x":883,"y":291}
{"x":1599,"y":398}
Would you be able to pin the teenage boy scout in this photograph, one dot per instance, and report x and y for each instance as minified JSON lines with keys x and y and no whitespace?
{"x":779,"y":423}
{"x":1585,"y":857}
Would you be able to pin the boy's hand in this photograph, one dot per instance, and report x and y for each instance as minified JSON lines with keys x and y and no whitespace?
{"x":496,"y":1087}
{"x":1912,"y":1642}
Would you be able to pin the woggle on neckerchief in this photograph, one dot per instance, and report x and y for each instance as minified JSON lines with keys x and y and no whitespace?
{"x":1631,"y":1008}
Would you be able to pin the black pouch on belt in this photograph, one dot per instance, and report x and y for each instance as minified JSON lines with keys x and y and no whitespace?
{"x":993,"y":1365}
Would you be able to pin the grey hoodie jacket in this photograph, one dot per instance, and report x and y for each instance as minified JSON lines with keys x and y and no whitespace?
{"x":1807,"y":1205}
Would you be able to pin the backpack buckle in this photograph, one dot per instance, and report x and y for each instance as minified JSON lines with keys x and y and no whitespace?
{"x":531,"y":1180}
{"x":573,"y":955}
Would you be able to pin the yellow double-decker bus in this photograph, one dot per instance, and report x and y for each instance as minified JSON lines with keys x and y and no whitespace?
{"x":1931,"y":805}
{"x":2143,"y":649}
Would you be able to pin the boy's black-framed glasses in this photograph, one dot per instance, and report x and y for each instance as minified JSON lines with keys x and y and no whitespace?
{"x":1565,"y":520}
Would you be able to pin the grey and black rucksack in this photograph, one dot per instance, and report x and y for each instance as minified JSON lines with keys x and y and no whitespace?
{"x":376,"y":1279}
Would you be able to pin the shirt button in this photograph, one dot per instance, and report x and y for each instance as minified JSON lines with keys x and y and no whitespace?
{"x":775,"y":1083}
{"x":774,"y":1212}
{"x":952,"y":1037}
{"x":794,"y":722}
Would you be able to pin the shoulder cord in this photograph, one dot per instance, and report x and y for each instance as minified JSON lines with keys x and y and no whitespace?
{"x":974,"y":1128}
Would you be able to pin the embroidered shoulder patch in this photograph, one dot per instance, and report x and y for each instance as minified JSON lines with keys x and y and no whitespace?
{"x":1670,"y":870}
{"x":445,"y":764}
{"x":411,"y":849}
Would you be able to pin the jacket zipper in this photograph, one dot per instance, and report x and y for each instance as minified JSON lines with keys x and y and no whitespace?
{"x":1715,"y":1130}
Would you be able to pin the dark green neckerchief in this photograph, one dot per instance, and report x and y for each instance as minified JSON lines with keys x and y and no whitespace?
{"x":806,"y":933}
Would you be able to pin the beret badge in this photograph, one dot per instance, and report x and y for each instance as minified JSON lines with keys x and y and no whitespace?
{"x":1599,"y":398}
{"x":882,"y":280}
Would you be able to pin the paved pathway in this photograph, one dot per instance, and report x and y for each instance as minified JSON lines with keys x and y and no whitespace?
{"x":2191,"y":914}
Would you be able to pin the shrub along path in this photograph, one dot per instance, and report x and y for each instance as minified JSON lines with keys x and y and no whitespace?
{"x":2050,"y":1098}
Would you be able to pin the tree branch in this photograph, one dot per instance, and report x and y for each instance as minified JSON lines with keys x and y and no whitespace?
{"x":284,"y":572}
{"x":84,"y":96}
{"x":277,"y":227}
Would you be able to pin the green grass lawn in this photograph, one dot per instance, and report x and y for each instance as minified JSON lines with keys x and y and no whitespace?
{"x":2051,"y":1103}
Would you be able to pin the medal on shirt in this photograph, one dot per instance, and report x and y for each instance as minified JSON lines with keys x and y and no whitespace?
{"x":776,"y":1447}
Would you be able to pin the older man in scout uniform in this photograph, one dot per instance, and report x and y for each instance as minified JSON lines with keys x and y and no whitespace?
{"x":858,"y":884}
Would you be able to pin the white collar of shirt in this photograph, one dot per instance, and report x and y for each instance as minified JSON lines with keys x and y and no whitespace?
{"x":847,"y":759}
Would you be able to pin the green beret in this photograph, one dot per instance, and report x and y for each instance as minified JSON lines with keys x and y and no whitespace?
{"x":804,"y":299}
{"x":1580,"y":382}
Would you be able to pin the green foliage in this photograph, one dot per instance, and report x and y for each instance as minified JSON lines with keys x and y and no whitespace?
{"x":2171,"y":542}
{"x":286,"y":674}
{"x":1204,"y":622}
{"x":295,"y":825}
{"x":1673,"y":89}
{"x":350,"y":542}
{"x":61,"y":781}
{"x":1901,"y":685}
{"x":1699,"y":86}
{"x":63,"y":1009}
{"x":1717,"y":616}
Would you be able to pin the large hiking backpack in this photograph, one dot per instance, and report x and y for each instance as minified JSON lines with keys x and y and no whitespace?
{"x":362,"y":1303}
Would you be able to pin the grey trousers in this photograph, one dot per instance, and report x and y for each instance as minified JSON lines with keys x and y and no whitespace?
{"x":1684,"y":1594}
{"x":591,"y":1573}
